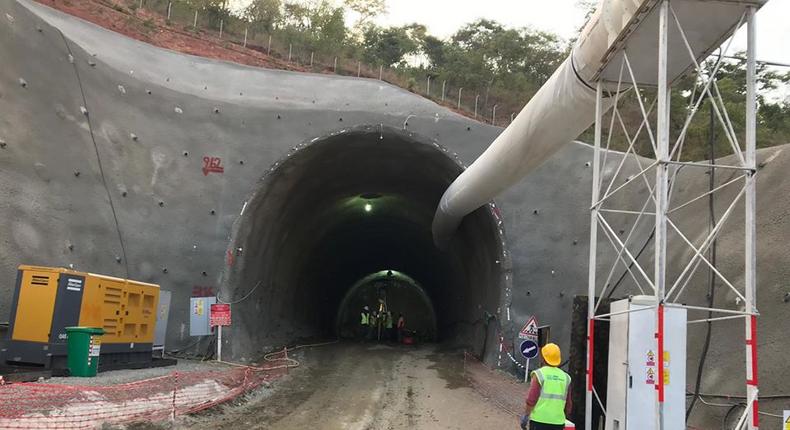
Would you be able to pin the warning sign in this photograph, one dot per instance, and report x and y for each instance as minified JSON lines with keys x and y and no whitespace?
{"x":530,"y":329}
{"x":650,"y":358}
{"x":198,"y":308}
{"x":220,"y":315}
{"x":786,"y":420}
{"x":650,"y":376}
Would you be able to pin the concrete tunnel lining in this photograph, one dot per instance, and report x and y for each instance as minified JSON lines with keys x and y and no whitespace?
{"x":305,"y":237}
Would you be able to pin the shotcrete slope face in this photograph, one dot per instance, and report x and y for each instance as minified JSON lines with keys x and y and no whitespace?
{"x":341,"y":210}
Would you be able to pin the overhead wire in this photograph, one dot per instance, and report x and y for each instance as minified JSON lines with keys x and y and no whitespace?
{"x":249,"y":293}
{"x":98,"y":155}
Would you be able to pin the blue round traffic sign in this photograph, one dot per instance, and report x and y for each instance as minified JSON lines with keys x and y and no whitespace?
{"x":529,"y":349}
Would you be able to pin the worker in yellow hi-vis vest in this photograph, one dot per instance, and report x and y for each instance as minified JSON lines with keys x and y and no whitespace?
{"x":549,"y":397}
{"x":364,"y":323}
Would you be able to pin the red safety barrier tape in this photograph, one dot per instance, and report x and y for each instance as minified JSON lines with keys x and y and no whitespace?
{"x":590,"y":354}
{"x":51,"y":406}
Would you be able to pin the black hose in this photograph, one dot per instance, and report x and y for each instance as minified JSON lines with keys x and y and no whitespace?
{"x":711,"y":275}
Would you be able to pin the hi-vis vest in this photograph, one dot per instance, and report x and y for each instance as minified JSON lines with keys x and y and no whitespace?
{"x":365,"y":318}
{"x":554,"y":384}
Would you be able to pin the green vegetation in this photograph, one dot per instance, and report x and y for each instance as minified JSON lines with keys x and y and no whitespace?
{"x":493,"y":64}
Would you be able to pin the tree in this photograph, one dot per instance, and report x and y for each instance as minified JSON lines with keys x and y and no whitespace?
{"x":388,"y":46}
{"x":264,"y":15}
{"x":316,"y":24}
{"x":367,"y":10}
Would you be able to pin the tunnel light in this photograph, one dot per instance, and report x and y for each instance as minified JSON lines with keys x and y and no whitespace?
{"x":368,"y":207}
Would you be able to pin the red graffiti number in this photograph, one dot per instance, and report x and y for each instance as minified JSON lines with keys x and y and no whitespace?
{"x":202,"y":291}
{"x":212,"y":165}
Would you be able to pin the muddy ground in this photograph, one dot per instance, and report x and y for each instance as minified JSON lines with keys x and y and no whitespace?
{"x":362,"y":386}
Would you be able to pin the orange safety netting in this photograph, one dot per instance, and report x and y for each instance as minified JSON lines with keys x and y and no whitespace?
{"x":51,"y":406}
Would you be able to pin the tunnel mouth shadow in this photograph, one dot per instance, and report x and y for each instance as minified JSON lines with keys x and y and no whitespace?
{"x":346,"y":205}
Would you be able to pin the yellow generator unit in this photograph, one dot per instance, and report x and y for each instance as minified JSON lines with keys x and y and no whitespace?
{"x":47,"y":300}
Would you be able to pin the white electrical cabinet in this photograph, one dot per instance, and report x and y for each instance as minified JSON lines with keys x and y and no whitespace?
{"x":633,"y":366}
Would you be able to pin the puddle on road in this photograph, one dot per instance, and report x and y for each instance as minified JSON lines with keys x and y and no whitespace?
{"x":450,"y":367}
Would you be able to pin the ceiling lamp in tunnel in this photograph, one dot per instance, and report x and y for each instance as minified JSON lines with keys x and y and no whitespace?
{"x":368,"y":207}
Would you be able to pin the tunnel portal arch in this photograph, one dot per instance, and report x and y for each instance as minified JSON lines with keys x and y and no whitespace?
{"x":346,"y":205}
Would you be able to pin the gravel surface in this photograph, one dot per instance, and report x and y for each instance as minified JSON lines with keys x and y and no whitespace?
{"x":130,"y":375}
{"x":363,"y":386}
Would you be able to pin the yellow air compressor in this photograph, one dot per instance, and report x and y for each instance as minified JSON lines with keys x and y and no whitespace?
{"x":47,"y":300}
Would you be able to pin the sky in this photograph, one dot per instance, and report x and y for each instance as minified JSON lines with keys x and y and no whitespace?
{"x":563,"y":17}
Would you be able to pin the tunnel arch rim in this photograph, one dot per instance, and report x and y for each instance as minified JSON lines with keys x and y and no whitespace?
{"x":267,"y":179}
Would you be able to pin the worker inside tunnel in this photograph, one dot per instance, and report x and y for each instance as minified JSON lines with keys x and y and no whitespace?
{"x":392,"y":297}
{"x":325,"y":227}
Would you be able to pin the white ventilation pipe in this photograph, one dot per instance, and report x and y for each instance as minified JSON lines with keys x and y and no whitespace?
{"x":558,"y":113}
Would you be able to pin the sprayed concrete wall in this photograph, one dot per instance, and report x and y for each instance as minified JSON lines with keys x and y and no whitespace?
{"x":186,"y":143}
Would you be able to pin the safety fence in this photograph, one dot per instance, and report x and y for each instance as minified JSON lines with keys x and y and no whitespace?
{"x":52,"y":406}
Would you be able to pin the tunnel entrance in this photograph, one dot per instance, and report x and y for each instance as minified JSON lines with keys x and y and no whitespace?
{"x":388,"y":291}
{"x":341,"y":208}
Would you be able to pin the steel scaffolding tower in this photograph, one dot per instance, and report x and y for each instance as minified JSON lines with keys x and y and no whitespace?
{"x":656,"y":174}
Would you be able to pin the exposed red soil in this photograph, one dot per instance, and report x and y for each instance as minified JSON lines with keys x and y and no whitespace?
{"x":150,"y":27}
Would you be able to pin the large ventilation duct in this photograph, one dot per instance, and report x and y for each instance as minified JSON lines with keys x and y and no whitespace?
{"x":565,"y":105}
{"x":558,"y":113}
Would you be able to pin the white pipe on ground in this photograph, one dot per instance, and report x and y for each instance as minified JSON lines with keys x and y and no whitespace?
{"x":558,"y":113}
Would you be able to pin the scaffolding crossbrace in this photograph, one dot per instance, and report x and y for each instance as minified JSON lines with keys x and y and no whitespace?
{"x":657,"y":175}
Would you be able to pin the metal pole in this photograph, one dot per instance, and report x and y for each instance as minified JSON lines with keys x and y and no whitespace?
{"x":194,"y":22}
{"x":219,"y":343}
{"x":750,"y":253}
{"x":359,"y":69}
{"x":493,"y":116}
{"x":169,"y":5}
{"x":290,"y":51}
{"x":312,"y":54}
{"x":221,"y":23}
{"x":335,"y":68}
{"x":381,"y":72}
{"x":269,"y":49}
{"x":592,"y":266}
{"x":428,"y":89}
{"x":662,"y":197}
{"x":444,"y":85}
{"x":459,"y":97}
{"x":526,"y":371}
{"x":141,"y":4}
{"x":245,"y":38}
{"x":477,"y":97}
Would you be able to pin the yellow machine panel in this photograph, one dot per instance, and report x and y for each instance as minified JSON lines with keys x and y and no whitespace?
{"x":38,"y":288}
{"x":126,"y":310}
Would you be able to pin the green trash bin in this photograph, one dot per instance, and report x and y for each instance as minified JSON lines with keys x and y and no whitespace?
{"x":84,"y":345}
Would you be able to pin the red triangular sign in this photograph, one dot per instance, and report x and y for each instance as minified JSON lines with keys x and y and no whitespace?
{"x":531,"y":327}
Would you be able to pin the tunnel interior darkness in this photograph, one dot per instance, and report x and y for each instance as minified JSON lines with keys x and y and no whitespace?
{"x":342,"y":207}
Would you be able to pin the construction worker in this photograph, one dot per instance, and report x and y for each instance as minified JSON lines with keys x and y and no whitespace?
{"x":372,"y":325}
{"x":401,"y":326}
{"x":364,"y":322}
{"x":388,"y":324}
{"x":549,"y":397}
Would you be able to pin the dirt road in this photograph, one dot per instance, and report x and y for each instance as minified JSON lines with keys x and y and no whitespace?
{"x":352,"y":386}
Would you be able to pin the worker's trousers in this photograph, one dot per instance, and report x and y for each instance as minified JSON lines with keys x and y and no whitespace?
{"x":541,"y":426}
